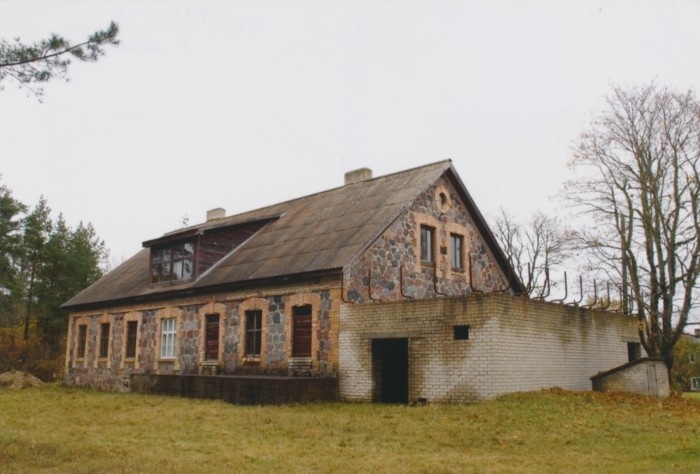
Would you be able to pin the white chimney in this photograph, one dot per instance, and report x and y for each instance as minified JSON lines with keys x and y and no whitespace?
{"x":218,"y":213}
{"x":357,"y":176}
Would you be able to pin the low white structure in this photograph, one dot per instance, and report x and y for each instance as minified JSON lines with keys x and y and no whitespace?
{"x":644,"y":376}
{"x":475,"y":348}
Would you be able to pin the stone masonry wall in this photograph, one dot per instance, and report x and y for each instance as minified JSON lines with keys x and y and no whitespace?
{"x":391,"y":270}
{"x":515,"y":344}
{"x":112,"y":372}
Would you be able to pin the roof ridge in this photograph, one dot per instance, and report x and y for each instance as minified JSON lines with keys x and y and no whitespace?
{"x":224,"y":221}
{"x":344,"y":186}
{"x":410,"y":170}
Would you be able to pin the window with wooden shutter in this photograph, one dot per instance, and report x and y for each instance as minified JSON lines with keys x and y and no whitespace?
{"x":212,"y":337}
{"x":301,"y":331}
{"x":82,"y":339}
{"x":104,"y":340}
{"x":131,"y":330}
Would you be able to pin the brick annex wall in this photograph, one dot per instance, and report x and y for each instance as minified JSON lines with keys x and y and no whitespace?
{"x":113,"y":372}
{"x":514,"y":344}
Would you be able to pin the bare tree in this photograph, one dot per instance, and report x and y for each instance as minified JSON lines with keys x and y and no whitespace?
{"x":532,"y":248}
{"x":640,"y":185}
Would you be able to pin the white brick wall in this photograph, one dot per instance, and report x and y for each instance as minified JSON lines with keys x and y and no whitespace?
{"x":515,"y":344}
{"x":644,"y":376}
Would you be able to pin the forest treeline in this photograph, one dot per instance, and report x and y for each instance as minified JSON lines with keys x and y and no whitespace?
{"x":43,"y":263}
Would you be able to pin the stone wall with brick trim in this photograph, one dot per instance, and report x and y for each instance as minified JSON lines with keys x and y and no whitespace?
{"x":391,"y":268}
{"x":112,"y":372}
{"x":515,"y":344}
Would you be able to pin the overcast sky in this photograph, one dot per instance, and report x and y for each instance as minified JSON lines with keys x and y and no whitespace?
{"x":242,"y":104}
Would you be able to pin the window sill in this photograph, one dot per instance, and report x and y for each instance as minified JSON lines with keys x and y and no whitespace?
{"x":170,"y":283}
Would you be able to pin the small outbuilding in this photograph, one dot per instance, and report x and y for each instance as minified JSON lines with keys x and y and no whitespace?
{"x":646,"y":376}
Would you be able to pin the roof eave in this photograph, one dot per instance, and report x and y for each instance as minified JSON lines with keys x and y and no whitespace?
{"x":190,"y":291}
{"x":514,"y":282}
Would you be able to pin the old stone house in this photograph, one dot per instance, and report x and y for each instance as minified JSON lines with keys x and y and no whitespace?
{"x":392,"y":287}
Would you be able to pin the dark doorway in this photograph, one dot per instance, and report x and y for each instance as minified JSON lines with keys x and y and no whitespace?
{"x":390,"y":370}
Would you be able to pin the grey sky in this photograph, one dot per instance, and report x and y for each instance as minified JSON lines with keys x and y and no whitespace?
{"x":242,"y":104}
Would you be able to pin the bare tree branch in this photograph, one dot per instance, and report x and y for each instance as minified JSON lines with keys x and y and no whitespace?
{"x":642,"y":188}
{"x":540,"y":244}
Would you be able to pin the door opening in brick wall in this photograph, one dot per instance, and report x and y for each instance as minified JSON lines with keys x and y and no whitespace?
{"x":390,"y":370}
{"x":634,"y":351}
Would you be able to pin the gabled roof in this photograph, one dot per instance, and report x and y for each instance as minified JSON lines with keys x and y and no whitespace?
{"x":313,"y":234}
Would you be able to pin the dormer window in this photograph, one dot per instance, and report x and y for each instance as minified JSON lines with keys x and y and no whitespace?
{"x":172,"y":263}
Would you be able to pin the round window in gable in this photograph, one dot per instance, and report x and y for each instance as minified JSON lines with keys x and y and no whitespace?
{"x":442,"y":199}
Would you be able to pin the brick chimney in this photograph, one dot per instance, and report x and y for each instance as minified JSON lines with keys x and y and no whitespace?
{"x":357,"y":176}
{"x":217,"y":213}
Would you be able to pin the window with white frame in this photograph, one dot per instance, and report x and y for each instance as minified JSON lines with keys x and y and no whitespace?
{"x":167,"y":338}
{"x":426,"y":243}
{"x":457,"y":252}
{"x":695,"y":384}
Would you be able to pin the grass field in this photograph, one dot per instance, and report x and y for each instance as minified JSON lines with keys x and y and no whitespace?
{"x":692,"y":396}
{"x":57,"y":429}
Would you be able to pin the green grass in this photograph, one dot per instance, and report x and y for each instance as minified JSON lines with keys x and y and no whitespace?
{"x":57,"y":429}
{"x":692,"y":395}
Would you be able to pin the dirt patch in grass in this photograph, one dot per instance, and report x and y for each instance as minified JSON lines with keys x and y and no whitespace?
{"x":16,"y":379}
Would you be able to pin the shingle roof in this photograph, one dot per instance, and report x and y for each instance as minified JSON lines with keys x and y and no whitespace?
{"x":319,"y":232}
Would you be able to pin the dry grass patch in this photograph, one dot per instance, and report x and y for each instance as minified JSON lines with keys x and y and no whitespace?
{"x":17,"y":379}
{"x":55,"y":429}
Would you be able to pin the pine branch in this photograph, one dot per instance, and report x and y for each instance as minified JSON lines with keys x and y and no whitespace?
{"x":49,"y":58}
